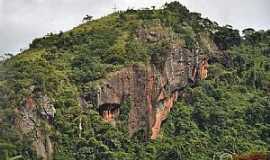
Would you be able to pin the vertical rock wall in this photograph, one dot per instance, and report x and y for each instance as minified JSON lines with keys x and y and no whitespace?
{"x":36,"y":111}
{"x":152,"y":90}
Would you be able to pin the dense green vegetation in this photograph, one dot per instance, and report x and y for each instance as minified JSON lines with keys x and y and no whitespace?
{"x":229,"y":112}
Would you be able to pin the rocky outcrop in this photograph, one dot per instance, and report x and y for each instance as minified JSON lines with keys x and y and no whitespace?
{"x":152,"y":89}
{"x":252,"y":156}
{"x":33,"y":120}
{"x":161,"y":114}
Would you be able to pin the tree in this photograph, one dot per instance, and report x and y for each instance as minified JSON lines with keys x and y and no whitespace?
{"x":6,"y":148}
{"x":226,"y":37}
{"x":87,"y":18}
{"x":248,"y":31}
{"x":176,"y":7}
{"x":249,"y":35}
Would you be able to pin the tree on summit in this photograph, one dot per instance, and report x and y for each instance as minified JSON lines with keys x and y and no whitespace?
{"x":87,"y":18}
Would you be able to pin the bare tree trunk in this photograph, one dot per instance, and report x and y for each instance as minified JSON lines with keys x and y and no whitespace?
{"x":80,"y":128}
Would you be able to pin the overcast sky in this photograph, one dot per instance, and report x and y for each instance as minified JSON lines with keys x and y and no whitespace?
{"x":23,"y":20}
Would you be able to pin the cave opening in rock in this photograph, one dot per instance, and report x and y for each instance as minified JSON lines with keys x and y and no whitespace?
{"x":109,"y":111}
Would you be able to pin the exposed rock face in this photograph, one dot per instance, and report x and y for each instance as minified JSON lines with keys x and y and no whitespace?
{"x":152,"y":89}
{"x":252,"y":156}
{"x":36,"y":112}
{"x":203,"y":69}
{"x":109,"y":112}
{"x":161,"y":114}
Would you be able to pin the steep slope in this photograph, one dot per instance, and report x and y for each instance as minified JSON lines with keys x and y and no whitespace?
{"x":106,"y":88}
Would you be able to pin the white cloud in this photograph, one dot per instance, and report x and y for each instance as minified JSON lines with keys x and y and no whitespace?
{"x":23,"y":20}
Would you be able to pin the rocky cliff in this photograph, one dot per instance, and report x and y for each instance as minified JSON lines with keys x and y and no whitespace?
{"x":34,"y":118}
{"x":152,"y":88}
